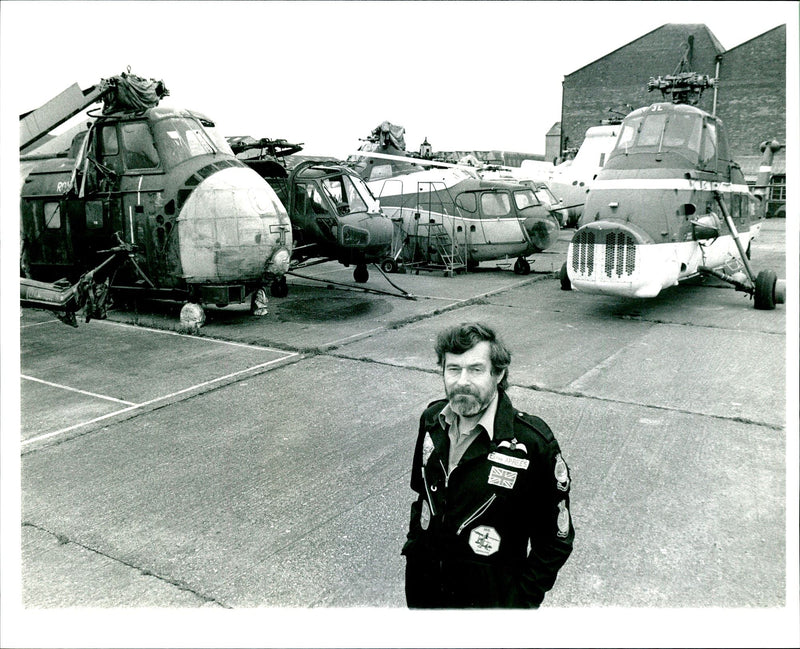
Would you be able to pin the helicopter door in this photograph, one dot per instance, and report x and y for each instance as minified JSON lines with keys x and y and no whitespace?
{"x":313,"y":212}
{"x":89,"y":215}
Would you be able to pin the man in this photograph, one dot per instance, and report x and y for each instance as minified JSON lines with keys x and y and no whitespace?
{"x":491,"y":524}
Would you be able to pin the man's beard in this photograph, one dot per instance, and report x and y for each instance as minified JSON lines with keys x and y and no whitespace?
{"x":467,"y":402}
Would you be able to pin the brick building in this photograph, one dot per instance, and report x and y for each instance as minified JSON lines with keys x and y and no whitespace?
{"x":750,"y":96}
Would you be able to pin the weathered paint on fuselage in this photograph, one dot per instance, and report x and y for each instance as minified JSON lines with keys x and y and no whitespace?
{"x":421,"y":199}
{"x":636,"y":235}
{"x":207,"y":219}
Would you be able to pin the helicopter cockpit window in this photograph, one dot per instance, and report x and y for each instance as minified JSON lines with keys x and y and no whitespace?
{"x":467,"y":202}
{"x":659,"y":131}
{"x":683,"y":130}
{"x":140,"y":153}
{"x":495,"y":204}
{"x":344,"y":194}
{"x":314,"y":201}
{"x":650,"y":131}
{"x":355,"y":198}
{"x":525,"y":198}
{"x":708,"y":153}
{"x":110,"y":141}
{"x":182,"y":138}
{"x":628,"y":133}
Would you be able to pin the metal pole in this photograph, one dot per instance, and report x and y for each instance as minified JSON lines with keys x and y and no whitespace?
{"x":735,"y":234}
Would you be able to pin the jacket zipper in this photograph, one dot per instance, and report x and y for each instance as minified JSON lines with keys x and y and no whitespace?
{"x":428,"y":492}
{"x":478,"y":512}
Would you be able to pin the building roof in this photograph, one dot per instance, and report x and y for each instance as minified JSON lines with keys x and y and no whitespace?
{"x":679,"y":28}
{"x":769,"y":31}
{"x":555,"y":129}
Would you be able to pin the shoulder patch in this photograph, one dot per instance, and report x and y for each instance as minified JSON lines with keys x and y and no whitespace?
{"x":537,"y":424}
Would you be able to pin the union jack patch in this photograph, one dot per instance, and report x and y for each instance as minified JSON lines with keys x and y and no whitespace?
{"x":502,"y":477}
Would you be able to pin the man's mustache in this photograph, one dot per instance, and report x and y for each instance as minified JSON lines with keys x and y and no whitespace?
{"x":455,"y":392}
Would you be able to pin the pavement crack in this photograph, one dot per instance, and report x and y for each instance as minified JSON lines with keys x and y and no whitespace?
{"x":64,"y":540}
{"x":683,"y":411}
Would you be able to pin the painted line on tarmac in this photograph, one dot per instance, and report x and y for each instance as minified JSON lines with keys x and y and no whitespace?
{"x":36,"y":324}
{"x":66,"y":387}
{"x":202,"y":338}
{"x":154,"y":401}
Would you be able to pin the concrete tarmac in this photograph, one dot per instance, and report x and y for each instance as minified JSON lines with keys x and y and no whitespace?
{"x":264,"y":462}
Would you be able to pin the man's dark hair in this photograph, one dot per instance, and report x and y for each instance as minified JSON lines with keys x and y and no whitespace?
{"x":461,"y":338}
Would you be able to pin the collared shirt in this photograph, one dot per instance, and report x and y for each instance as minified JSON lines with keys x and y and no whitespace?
{"x":460,"y":440}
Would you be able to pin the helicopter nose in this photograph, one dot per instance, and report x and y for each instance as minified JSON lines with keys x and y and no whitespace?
{"x":542,"y":230}
{"x":230,"y":226}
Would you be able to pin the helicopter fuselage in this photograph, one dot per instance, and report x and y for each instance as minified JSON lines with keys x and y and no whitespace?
{"x":201,"y":223}
{"x":653,"y":216}
{"x":489,"y":219}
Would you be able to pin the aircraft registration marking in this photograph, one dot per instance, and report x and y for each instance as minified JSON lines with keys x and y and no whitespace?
{"x":670,"y":183}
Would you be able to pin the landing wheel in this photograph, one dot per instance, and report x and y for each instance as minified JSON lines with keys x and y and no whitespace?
{"x":472,"y":264}
{"x":192,"y":316}
{"x":566,"y":285}
{"x":389,"y":265}
{"x":361,"y":274}
{"x":521,"y":266}
{"x":259,"y":302}
{"x":279,"y":287}
{"x":765,"y":290}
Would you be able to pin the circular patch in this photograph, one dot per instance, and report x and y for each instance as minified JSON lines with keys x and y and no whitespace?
{"x":484,"y":540}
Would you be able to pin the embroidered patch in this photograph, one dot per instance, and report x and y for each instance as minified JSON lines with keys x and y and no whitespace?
{"x":427,"y":448}
{"x":502,"y":477}
{"x":563,"y":520}
{"x":561,"y":473}
{"x":516,"y":462}
{"x":484,"y":540}
{"x":514,"y":445}
{"x":425,"y":515}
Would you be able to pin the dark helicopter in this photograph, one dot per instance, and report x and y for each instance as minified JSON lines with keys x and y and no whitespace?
{"x":149,"y":201}
{"x":334,"y":214}
{"x":668,"y":205}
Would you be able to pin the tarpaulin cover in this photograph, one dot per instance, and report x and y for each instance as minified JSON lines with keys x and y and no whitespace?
{"x":387,"y":134}
{"x":127,"y":92}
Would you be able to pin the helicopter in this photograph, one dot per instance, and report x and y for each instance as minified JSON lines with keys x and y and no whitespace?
{"x":157,"y":189}
{"x":570,"y":180}
{"x":448,"y":216}
{"x":668,"y":205}
{"x":334,"y":214}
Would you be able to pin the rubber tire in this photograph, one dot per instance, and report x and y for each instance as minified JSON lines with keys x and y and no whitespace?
{"x":279,"y":287}
{"x":765,"y":290}
{"x":361,"y":274}
{"x":521,"y":266}
{"x":566,"y":285}
{"x":389,"y":265}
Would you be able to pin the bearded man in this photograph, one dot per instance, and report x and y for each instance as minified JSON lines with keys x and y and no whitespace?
{"x":490,"y":527}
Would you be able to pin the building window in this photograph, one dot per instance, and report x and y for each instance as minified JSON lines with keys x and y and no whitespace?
{"x":778,"y":188}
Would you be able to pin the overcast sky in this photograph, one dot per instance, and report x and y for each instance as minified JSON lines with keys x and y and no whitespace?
{"x":468,"y":75}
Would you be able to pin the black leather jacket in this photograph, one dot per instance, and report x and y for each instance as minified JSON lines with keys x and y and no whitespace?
{"x":470,"y":531}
